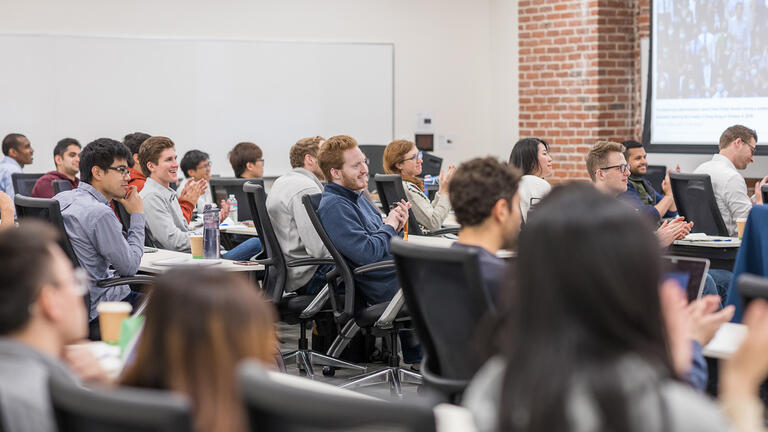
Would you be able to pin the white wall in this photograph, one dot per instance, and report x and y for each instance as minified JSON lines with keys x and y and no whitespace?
{"x":445,"y":61}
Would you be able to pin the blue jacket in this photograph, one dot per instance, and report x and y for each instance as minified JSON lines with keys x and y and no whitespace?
{"x":356,"y":229}
{"x":750,"y":258}
{"x":633,"y":197}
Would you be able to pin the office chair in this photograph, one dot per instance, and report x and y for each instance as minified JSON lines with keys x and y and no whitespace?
{"x":430,"y":165}
{"x":447,"y":299}
{"x":375,"y":155}
{"x":125,"y":220}
{"x":391,"y":190}
{"x":291,"y":308}
{"x":764,"y":192}
{"x":655,"y":175}
{"x":223,"y":187}
{"x":695,"y":199}
{"x":119,"y":409}
{"x":383,"y":319}
{"x":23,"y":183}
{"x":273,"y":406}
{"x":48,"y":209}
{"x":61,"y":186}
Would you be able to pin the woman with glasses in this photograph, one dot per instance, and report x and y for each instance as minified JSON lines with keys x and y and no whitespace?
{"x":602,"y":343}
{"x":531,"y":155}
{"x":200,"y":324}
{"x":403,"y":158}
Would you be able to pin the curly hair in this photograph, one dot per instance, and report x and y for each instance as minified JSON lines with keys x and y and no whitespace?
{"x":303,"y":147}
{"x":478,"y":184}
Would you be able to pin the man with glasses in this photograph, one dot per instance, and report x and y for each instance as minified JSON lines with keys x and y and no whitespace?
{"x":196,"y":166}
{"x":355,"y":226}
{"x":737,"y":150}
{"x":42,"y":315}
{"x":92,"y":227}
{"x":610,"y":172}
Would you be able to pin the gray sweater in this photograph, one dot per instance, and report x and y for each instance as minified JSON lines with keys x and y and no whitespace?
{"x":686,"y":410}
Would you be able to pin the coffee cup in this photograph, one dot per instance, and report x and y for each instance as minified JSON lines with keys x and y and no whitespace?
{"x":196,"y":244}
{"x":740,"y":224}
{"x":111,"y":316}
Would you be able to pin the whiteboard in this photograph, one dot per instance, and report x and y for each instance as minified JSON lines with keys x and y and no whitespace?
{"x":203,"y":94}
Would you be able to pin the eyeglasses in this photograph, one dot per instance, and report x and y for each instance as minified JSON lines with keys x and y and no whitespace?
{"x":622,"y":167}
{"x":359,"y":165}
{"x":124,"y":171}
{"x":205,"y":166}
{"x":752,"y":150}
{"x":80,"y":282}
{"x":415,"y":157}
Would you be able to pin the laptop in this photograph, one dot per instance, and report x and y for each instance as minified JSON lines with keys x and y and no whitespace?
{"x":690,"y":273}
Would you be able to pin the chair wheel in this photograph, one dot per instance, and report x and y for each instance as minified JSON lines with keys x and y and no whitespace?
{"x":329,"y":371}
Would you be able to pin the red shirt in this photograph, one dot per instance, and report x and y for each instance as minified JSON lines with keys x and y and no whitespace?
{"x":44,"y":186}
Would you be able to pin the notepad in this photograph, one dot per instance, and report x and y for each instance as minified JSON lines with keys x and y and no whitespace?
{"x":183,"y":261}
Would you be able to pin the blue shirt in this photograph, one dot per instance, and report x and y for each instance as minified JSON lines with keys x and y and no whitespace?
{"x":492,"y":268}
{"x":8,"y":166}
{"x":96,"y":236}
{"x":356,"y":229}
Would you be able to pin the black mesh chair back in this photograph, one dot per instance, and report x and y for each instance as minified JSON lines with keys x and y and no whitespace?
{"x":764,"y":192}
{"x":47,"y":209}
{"x":391,"y":190}
{"x":446,"y":298}
{"x":276,"y":406}
{"x":375,"y":155}
{"x":341,"y":314}
{"x":121,"y":409}
{"x":655,"y":175}
{"x":223,"y":187}
{"x":277,"y":271}
{"x":430,"y":164}
{"x":61,"y":186}
{"x":125,"y":220}
{"x":695,"y":199}
{"x":23,"y":183}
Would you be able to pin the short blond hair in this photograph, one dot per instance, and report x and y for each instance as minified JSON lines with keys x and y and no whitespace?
{"x":332,"y":154}
{"x":303,"y":147}
{"x":598,"y":155}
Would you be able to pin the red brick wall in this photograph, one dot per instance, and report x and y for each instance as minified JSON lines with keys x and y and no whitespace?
{"x":579,"y":75}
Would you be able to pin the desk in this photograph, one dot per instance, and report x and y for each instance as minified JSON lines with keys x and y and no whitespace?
{"x":147,"y":259}
{"x":721,"y":255}
{"x":438,"y":241}
{"x":239,"y":229}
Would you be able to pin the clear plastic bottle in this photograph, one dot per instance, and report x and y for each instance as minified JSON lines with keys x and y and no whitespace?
{"x":232,"y":207}
{"x":210,"y":232}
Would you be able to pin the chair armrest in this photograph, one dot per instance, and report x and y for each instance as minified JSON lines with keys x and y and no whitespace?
{"x":317,"y":303}
{"x":308,"y":262}
{"x":390,"y":313}
{"x":443,"y":231}
{"x":375,"y":266}
{"x":126,"y":280}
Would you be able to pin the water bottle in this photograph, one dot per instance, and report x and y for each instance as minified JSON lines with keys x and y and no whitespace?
{"x":210,"y":232}
{"x":233,"y":207}
{"x":430,"y":180}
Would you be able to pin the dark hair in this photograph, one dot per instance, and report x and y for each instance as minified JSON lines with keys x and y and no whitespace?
{"x":241,"y":154}
{"x":191,"y":160}
{"x":729,"y":135}
{"x":150,"y":151}
{"x":133,"y":142}
{"x":25,"y":263}
{"x":200,"y":323}
{"x":63,"y":145}
{"x":477,"y":185}
{"x":525,"y":154}
{"x":585,"y":295}
{"x":630,"y":144}
{"x":11,"y":141}
{"x":101,"y":153}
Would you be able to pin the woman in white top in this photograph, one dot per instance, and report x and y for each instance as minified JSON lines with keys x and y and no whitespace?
{"x":531,"y":155}
{"x":402,"y":157}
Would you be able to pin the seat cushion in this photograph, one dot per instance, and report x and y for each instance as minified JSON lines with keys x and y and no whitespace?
{"x":368,"y":316}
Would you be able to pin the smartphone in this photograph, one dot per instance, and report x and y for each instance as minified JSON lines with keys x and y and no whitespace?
{"x":246,"y":263}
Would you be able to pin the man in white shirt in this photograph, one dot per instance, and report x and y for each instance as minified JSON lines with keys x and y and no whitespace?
{"x":295,"y":232}
{"x":737,"y":150}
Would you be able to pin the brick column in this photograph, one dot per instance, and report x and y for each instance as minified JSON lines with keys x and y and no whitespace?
{"x":578,"y":67}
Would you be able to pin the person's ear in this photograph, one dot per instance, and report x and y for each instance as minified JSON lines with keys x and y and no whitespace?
{"x":500,"y":210}
{"x":151,"y":166}
{"x":49,"y":303}
{"x":335,"y":173}
{"x":57,"y":159}
{"x":136,"y":160}
{"x":249,"y":166}
{"x":97,"y":173}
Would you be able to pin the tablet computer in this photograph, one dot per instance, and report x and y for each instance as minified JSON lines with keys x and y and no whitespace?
{"x":690,"y":273}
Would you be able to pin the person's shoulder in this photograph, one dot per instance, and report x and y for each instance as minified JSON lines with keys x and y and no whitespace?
{"x":691,"y":411}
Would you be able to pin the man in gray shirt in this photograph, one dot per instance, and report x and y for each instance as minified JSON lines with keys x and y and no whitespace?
{"x":41,"y":313}
{"x":295,"y":233}
{"x":93,"y":228}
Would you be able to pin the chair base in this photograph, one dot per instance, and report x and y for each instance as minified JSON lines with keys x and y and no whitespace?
{"x":305,"y":358}
{"x":394,"y":375}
